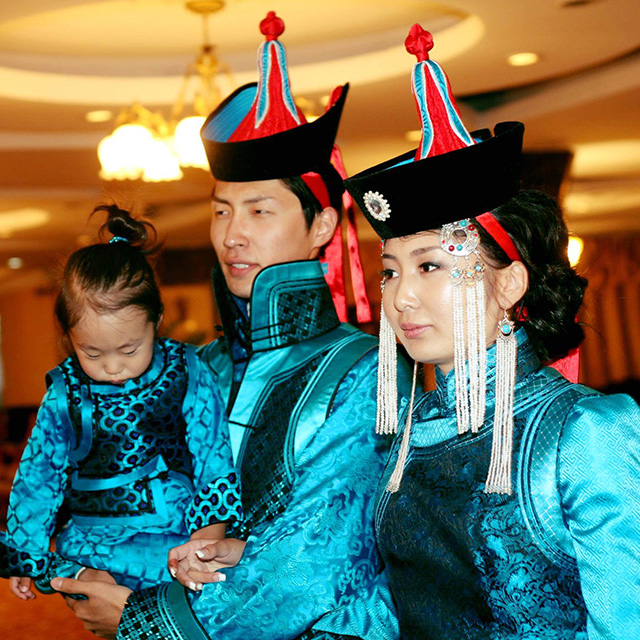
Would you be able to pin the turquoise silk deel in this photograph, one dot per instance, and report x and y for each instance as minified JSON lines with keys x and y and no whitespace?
{"x":300,"y":393}
{"x":559,"y":559}
{"x":139,"y":467}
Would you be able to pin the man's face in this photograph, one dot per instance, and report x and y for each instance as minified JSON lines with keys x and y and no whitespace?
{"x":257,"y":224}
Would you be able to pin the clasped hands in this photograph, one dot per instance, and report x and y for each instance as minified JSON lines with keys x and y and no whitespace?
{"x":198,"y":561}
{"x":192,"y":564}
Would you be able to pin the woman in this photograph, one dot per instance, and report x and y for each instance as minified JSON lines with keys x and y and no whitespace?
{"x":510,"y":507}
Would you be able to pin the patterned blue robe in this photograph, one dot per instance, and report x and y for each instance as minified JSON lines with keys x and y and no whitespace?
{"x":300,"y":392}
{"x":125,"y":460}
{"x":558,"y":559}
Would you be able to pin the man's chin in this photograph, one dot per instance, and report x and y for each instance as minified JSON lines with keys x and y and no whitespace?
{"x":240,"y":287}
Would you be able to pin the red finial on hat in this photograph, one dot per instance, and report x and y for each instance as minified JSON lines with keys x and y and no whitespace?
{"x":272,"y":26}
{"x":419,"y":42}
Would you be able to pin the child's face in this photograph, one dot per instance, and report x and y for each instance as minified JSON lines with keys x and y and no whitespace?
{"x":114,"y":347}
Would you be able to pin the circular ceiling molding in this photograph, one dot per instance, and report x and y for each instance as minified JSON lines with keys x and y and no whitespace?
{"x":43,"y":60}
{"x":126,"y":28}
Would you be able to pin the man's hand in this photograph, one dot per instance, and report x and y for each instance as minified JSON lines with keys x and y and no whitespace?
{"x":102,"y":610}
{"x":198,"y":561}
{"x":21,"y":587}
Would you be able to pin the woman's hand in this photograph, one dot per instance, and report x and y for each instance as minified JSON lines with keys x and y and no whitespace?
{"x":102,"y":610}
{"x":197,"y":562}
{"x":21,"y":587}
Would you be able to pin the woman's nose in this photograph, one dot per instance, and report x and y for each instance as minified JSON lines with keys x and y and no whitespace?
{"x":404,"y":295}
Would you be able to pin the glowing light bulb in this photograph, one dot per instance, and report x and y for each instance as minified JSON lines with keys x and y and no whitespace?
{"x":161,"y":163}
{"x":123,"y":154}
{"x":523,"y":59}
{"x":189,"y":146}
{"x":574,"y":250}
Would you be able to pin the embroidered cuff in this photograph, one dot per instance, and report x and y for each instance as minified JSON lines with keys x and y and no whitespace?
{"x":159,"y":613}
{"x":20,"y":563}
{"x":59,"y":567}
{"x":219,"y":501}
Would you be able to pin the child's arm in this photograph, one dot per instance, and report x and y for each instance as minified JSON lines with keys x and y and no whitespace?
{"x":216,"y":482}
{"x":36,"y":495}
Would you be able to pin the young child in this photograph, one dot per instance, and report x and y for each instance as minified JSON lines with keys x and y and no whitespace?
{"x":131,"y":434}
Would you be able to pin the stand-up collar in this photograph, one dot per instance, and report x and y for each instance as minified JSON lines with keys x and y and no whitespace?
{"x":528,"y":362}
{"x":290,"y":303}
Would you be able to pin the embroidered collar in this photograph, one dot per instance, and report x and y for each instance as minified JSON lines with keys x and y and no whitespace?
{"x":290,"y":303}
{"x":528,"y":362}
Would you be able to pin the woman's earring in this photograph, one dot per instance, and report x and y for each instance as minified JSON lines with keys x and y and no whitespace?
{"x":460,"y":239}
{"x":387,"y":391}
{"x":499,"y":476}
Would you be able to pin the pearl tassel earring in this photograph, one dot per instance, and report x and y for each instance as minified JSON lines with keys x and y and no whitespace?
{"x":477,"y":349}
{"x":459,"y":351}
{"x":460,"y":239}
{"x":396,"y":476}
{"x":499,"y":476}
{"x":387,"y":390}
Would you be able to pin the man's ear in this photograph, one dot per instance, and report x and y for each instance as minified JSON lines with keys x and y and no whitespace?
{"x":511,"y":285}
{"x":323,"y":227}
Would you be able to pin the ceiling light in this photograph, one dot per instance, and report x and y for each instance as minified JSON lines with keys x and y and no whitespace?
{"x":146,"y":145}
{"x":101,"y":115}
{"x":20,"y":219}
{"x":574,"y":250}
{"x":523,"y":59}
{"x":15,"y":263}
{"x":413,"y":136}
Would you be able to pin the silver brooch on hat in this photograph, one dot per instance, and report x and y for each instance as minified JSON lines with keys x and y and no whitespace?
{"x":377,"y":205}
{"x":459,"y":238}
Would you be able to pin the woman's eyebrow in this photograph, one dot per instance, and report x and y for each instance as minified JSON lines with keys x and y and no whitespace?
{"x":416,"y":252}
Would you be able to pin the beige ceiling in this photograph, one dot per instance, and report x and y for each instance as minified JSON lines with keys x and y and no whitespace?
{"x":60,"y":59}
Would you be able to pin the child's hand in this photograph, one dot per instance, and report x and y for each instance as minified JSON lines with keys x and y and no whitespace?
{"x":21,"y":587}
{"x":197,"y":561}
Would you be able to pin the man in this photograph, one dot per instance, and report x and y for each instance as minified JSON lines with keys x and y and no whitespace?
{"x":300,"y":392}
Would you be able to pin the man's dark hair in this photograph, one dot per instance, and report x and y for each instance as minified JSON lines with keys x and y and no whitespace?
{"x":311,"y":207}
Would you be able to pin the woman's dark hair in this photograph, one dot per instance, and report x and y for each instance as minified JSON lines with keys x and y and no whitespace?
{"x":534,"y":222}
{"x":311,"y":207}
{"x":108,"y":277}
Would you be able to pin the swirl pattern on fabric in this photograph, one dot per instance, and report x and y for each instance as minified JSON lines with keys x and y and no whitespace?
{"x":218,"y":501}
{"x":132,"y":548}
{"x":463,"y":562}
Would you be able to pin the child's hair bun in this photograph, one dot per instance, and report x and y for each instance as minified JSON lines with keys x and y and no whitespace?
{"x":120,"y":224}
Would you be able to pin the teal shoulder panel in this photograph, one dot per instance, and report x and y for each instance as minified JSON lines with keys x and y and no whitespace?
{"x":55,"y":379}
{"x":315,"y":403}
{"x":192,"y":377}
{"x":215,"y":356}
{"x":537,"y":474}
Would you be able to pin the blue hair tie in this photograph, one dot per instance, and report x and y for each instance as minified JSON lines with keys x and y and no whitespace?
{"x":118,"y":239}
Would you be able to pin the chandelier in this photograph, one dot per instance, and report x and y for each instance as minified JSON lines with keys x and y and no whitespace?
{"x":145,"y":145}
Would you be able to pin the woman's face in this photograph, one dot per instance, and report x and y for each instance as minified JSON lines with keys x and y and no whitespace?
{"x":418,"y":297}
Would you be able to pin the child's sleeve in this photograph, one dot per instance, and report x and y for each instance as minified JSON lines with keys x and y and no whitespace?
{"x":36,"y":496}
{"x":216,"y":482}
